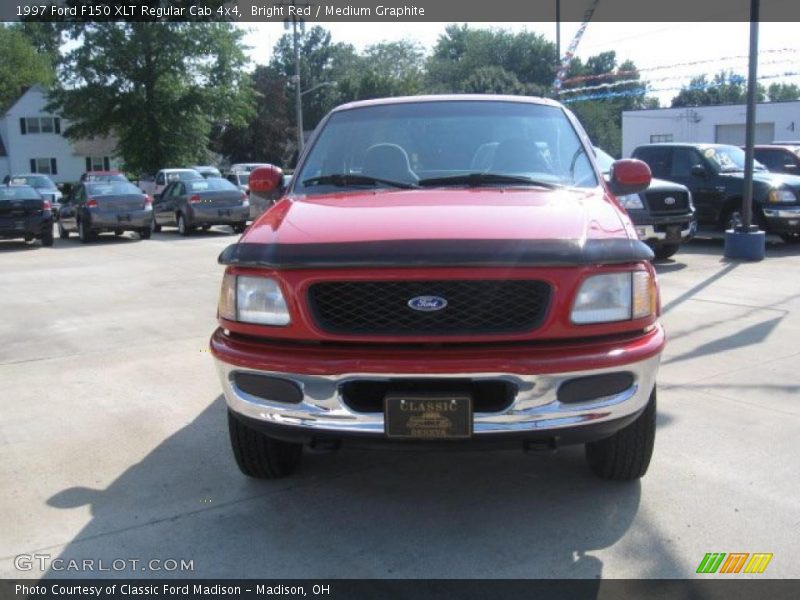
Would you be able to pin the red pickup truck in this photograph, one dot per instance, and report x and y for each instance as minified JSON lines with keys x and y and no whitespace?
{"x":442,"y":271}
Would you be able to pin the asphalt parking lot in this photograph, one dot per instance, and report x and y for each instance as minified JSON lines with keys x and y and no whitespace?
{"x":114,"y":440}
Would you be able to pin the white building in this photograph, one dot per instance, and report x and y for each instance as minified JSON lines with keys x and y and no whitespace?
{"x":709,"y":124}
{"x":31,"y":140}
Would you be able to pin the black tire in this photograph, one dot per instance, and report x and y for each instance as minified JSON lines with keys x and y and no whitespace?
{"x":665,"y":251}
{"x":239,"y":227}
{"x":626,"y":455}
{"x":62,"y":233}
{"x":791,"y":238}
{"x":47,"y":238}
{"x":144,"y":233}
{"x":260,"y":456}
{"x":183,"y":226}
{"x":84,"y":234}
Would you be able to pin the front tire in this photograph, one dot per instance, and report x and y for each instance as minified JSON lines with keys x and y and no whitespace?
{"x":626,"y":455}
{"x":791,"y":238}
{"x":239,"y":227}
{"x":665,"y":251}
{"x":260,"y":456}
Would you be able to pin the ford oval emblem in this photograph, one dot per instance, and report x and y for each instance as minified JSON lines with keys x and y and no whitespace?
{"x":669,"y":200}
{"x":427,"y":303}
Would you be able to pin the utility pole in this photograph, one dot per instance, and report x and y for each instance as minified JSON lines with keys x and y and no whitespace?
{"x":558,"y":33}
{"x":298,"y":101}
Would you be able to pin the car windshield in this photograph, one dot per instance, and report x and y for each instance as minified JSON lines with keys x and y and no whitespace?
{"x":604,"y":160}
{"x":106,"y":177}
{"x":210,"y":185}
{"x":446,"y":143}
{"x":18,"y":192}
{"x":37,"y":181}
{"x":728,"y":159}
{"x":112,"y":188}
{"x":183,"y":176}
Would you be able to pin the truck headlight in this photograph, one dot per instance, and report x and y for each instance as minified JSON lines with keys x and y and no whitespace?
{"x":630,"y":201}
{"x":252,"y":300}
{"x":778,"y":195}
{"x":615,"y":297}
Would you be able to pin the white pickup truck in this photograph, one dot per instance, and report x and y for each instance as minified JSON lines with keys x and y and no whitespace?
{"x":155,"y":185}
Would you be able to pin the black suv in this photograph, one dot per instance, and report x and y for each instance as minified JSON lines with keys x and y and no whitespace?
{"x":663,"y":214}
{"x":715,"y":175}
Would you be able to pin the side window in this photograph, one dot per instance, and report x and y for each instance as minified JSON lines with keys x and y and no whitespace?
{"x":683,"y":159}
{"x":178,"y":189}
{"x":160,"y":179}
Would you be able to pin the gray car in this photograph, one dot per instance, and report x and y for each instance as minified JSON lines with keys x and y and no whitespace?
{"x":105,"y":206}
{"x":201,"y":203}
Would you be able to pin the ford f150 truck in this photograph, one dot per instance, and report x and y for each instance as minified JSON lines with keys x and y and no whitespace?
{"x":442,"y":271}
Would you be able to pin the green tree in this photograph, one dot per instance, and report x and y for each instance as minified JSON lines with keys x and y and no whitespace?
{"x":160,"y":87}
{"x":384,"y":69}
{"x":21,"y":66}
{"x":783,"y":92}
{"x":725,"y":88}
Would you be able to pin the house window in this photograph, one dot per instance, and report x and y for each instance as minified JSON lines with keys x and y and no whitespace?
{"x":40,"y":125}
{"x":660,"y":138}
{"x":46,"y":166}
{"x":98,"y":163}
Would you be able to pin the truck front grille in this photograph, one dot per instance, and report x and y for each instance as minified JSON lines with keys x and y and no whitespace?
{"x":659,"y":203}
{"x":473,"y":307}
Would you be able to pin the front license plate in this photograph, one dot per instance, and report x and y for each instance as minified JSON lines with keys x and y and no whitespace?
{"x":673,"y":234}
{"x":428,"y":416}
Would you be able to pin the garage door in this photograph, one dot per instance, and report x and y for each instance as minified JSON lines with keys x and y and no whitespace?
{"x":734,"y":134}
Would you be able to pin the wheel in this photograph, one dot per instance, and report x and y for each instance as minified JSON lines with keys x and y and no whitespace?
{"x":791,"y":238}
{"x":145,"y":233}
{"x":240,"y":227}
{"x":205,"y":227}
{"x":155,"y":227}
{"x":47,"y":238}
{"x":84,"y":233}
{"x":260,"y":456}
{"x":733,"y":218}
{"x":183,"y":227}
{"x":625,"y":455}
{"x":664,"y":251}
{"x":62,"y":233}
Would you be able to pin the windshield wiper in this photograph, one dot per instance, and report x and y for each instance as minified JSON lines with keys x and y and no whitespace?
{"x":348,"y":179}
{"x":478,"y":179}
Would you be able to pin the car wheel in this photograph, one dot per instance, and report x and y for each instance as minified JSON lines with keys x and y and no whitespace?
{"x":183,"y":227}
{"x":205,"y":227}
{"x":145,"y":233}
{"x":62,"y":233}
{"x":626,"y":455}
{"x":791,"y":238}
{"x":665,"y":251}
{"x":260,"y":456}
{"x":239,"y":227}
{"x":47,"y":238}
{"x":733,"y":218}
{"x":84,"y":233}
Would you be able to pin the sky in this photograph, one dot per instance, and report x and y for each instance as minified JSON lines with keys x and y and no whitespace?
{"x":659,"y":50}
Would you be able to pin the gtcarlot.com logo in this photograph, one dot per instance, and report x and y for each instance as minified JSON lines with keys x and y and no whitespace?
{"x":734,"y":562}
{"x":44,"y":562}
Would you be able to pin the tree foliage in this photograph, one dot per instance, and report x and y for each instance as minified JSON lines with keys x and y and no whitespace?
{"x":725,"y":88}
{"x":160,"y":87}
{"x":21,"y":65}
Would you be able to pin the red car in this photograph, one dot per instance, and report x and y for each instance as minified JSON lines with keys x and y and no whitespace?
{"x":442,"y":271}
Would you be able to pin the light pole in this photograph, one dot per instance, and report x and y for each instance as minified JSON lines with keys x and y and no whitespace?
{"x":298,"y":102}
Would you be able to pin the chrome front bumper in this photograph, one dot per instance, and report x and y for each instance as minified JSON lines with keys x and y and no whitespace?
{"x":535,"y":409}
{"x":648,"y":232}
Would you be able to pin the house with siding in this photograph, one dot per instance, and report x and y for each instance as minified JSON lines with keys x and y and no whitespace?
{"x":32,"y":141}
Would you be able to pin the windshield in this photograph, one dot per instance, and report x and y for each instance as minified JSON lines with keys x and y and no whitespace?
{"x":37,"y":181}
{"x":729,"y":159}
{"x":183,"y":176}
{"x":438,"y":143}
{"x":211,"y":184}
{"x":112,"y":188}
{"x":604,"y":160}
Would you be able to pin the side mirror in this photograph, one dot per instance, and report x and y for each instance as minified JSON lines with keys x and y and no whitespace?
{"x":699,"y":171}
{"x":265,"y":179}
{"x":629,"y":176}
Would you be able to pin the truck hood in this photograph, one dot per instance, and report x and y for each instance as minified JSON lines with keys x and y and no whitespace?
{"x":440,"y":227}
{"x":436,"y":214}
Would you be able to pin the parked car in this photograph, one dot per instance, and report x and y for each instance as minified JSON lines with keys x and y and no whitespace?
{"x":112,"y":175}
{"x":779,"y":159}
{"x":663,"y":214}
{"x":25,"y":214}
{"x":207,"y":171}
{"x":714,"y":173}
{"x":201,"y":203}
{"x":398,"y":297}
{"x":42,"y":184}
{"x":154,"y":186}
{"x":105,"y":206}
